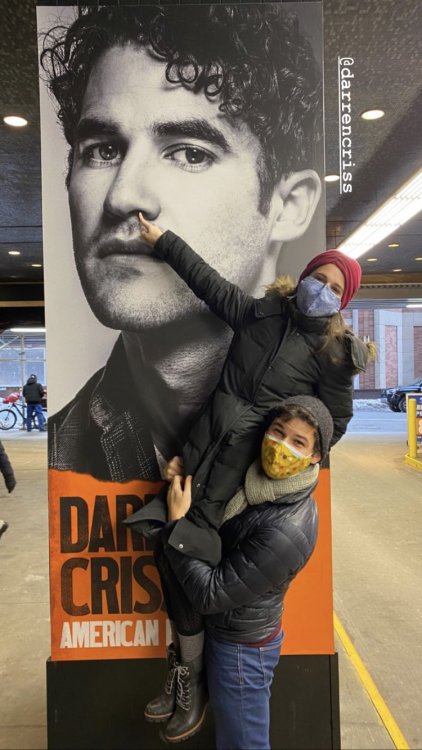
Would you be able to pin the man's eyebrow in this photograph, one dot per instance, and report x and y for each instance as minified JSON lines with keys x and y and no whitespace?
{"x":196,"y":128}
{"x":89,"y":127}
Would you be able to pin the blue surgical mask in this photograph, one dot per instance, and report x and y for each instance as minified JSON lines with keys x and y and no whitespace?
{"x":316,"y":299}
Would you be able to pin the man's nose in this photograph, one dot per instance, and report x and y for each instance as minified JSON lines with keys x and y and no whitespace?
{"x":133,"y":189}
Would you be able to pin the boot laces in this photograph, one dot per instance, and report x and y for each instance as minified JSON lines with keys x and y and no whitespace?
{"x":183,"y":687}
{"x":171,"y":676}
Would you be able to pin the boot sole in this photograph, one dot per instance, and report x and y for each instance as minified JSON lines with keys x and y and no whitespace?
{"x":185,"y":735}
{"x":157,"y":719}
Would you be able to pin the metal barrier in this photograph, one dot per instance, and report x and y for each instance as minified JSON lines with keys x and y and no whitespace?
{"x":413,"y":406}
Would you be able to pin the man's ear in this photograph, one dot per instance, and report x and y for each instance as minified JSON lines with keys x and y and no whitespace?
{"x":316,"y":458}
{"x":293,"y":205}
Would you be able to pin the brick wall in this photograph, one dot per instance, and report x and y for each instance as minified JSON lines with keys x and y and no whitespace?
{"x":366,"y":330}
{"x":391,"y":361}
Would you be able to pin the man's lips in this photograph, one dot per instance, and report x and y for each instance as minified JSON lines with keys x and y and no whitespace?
{"x":125,"y":247}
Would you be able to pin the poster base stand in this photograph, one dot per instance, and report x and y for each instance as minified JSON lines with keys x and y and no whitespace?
{"x":99,"y":704}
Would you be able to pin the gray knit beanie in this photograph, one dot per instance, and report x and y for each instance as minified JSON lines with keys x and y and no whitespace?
{"x":321,"y":415}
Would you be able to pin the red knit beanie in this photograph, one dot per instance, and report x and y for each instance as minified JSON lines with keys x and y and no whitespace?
{"x":349,"y":267}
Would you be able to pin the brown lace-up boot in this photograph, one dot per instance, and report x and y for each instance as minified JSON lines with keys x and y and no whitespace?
{"x":191,"y":702}
{"x":162,"y":707}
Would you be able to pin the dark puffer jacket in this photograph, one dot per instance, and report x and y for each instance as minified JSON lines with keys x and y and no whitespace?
{"x":6,"y":469}
{"x":264,"y":548}
{"x":276,"y":352}
{"x":33,"y":391}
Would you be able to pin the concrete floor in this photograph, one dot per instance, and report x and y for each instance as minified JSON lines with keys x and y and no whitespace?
{"x":377,"y":549}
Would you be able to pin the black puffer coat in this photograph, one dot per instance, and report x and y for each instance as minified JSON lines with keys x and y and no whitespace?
{"x":6,"y":469}
{"x":264,"y":548}
{"x":275,"y":353}
{"x":33,"y":391}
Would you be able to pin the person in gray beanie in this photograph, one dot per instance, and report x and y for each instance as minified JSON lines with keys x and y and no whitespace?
{"x":320,"y":414}
{"x":268,"y":533}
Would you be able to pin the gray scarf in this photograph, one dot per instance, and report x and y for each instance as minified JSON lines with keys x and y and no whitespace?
{"x":259,"y":488}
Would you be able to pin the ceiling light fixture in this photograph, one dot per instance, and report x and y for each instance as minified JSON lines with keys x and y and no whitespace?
{"x":14,"y":252}
{"x":405,"y":203}
{"x":396,"y":270}
{"x":372,"y":114}
{"x":394,"y":244}
{"x":27,"y":330}
{"x":415,"y":304}
{"x":371,"y":260}
{"x":15,"y":121}
{"x":36,"y":265}
{"x":418,"y":258}
{"x":332,"y":177}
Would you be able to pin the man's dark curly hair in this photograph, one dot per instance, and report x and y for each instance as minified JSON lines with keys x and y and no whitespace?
{"x":253,"y":60}
{"x":295,"y":411}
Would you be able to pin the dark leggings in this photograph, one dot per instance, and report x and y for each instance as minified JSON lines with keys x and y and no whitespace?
{"x":179,"y":608}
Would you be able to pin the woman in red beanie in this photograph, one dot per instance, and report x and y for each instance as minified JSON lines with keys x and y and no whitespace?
{"x":291,"y":342}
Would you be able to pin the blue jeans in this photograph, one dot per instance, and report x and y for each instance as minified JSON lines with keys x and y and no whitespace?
{"x":30,"y":409}
{"x":239,"y":681}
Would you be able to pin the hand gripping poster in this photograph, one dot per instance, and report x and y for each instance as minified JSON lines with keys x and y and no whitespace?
{"x":208,"y":120}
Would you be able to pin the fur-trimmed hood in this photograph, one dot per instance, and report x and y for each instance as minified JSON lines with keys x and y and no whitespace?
{"x":284,"y":286}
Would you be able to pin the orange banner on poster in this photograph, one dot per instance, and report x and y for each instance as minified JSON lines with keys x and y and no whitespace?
{"x":308,"y":617}
{"x":106,"y":600}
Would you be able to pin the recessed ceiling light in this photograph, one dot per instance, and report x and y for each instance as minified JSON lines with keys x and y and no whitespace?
{"x":15,"y":121}
{"x":394,"y":244}
{"x":372,"y":114}
{"x":36,"y":265}
{"x":405,"y":203}
{"x":396,"y":270}
{"x":14,"y":252}
{"x":331,"y":177}
{"x":371,"y":260}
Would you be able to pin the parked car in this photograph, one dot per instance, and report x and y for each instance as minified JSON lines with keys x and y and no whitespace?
{"x":396,"y":397}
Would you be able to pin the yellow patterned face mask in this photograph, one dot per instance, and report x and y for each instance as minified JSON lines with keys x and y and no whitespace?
{"x":279,"y":460}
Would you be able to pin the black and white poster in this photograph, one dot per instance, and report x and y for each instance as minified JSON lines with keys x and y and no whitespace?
{"x":209,"y":120}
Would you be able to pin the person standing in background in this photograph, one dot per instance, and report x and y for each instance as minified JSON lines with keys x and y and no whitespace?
{"x":9,"y":480}
{"x":33,"y":393}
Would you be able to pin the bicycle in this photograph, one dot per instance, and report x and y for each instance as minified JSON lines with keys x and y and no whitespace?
{"x":9,"y":415}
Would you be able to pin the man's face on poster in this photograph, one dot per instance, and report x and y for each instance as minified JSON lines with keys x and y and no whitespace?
{"x":144,"y":144}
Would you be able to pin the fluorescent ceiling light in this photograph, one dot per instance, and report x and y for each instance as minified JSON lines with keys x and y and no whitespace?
{"x":14,"y":252}
{"x":36,"y":265}
{"x":15,"y":121}
{"x":419,"y":304}
{"x":331,"y":177}
{"x":27,"y":330}
{"x":396,"y":211}
{"x":372,"y":114}
{"x":418,"y":258}
{"x":371,"y":260}
{"x":396,"y":270}
{"x":394,"y":244}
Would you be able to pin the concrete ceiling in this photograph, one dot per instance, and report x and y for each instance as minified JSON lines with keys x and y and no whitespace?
{"x":384,"y":39}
